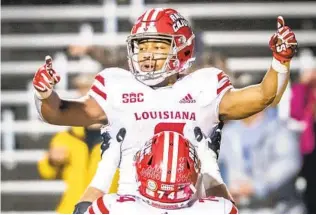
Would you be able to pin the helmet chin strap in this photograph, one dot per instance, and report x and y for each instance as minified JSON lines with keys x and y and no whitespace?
{"x":159,"y":81}
{"x":155,"y":77}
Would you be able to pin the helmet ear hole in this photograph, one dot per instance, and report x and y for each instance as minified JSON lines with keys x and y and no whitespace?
{"x":186,"y":53}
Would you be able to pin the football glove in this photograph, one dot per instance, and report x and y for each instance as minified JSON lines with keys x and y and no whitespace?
{"x":283,"y":43}
{"x":45,"y":78}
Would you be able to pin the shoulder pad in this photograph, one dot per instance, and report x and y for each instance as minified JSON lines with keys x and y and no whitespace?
{"x":206,"y":79}
{"x":115,"y":72}
{"x":206,"y":72}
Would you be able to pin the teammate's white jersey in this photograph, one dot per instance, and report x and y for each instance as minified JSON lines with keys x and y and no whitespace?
{"x":143,"y":111}
{"x":128,"y":204}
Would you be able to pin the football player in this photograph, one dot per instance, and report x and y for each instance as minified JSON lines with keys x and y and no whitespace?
{"x":168,"y":177}
{"x":156,"y":95}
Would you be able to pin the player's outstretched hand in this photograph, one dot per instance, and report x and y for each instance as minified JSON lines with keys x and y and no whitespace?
{"x":45,"y":78}
{"x":283,"y":43}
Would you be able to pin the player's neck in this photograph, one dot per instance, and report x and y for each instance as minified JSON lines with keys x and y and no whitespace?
{"x":173,"y":79}
{"x":167,"y":82}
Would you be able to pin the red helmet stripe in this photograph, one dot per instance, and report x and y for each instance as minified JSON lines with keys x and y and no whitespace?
{"x":165,"y":157}
{"x":154,"y":16}
{"x":170,"y":155}
{"x":147,"y":18}
{"x":174,"y":157}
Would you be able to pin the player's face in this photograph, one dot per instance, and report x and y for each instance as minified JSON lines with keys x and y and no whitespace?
{"x":152,"y":55}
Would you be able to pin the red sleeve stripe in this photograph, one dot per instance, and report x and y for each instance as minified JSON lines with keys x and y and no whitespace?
{"x":234,"y":210}
{"x":220,"y":76}
{"x":99,"y":92}
{"x":222,"y":82}
{"x":223,"y":87}
{"x":102,"y":207}
{"x":90,"y":210}
{"x":100,"y":79}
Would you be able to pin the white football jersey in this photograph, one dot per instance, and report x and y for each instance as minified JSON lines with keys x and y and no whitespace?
{"x":143,"y":111}
{"x":128,"y":204}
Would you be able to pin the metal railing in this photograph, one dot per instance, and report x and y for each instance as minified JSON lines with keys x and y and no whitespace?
{"x":209,"y":38}
{"x":194,"y":10}
{"x":32,"y":187}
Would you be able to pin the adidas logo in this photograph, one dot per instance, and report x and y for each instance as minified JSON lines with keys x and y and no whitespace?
{"x":187,"y":99}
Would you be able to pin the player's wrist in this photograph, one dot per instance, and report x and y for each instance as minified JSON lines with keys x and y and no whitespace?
{"x":43,"y":95}
{"x":278,"y":66}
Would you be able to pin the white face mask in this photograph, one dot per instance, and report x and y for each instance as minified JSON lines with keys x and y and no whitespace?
{"x":153,"y":78}
{"x":145,"y":71}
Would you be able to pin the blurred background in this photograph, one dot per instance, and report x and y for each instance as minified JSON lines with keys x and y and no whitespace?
{"x":268,"y":160}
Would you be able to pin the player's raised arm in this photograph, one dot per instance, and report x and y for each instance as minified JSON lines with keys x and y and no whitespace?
{"x":76,"y":112}
{"x":241,"y":103}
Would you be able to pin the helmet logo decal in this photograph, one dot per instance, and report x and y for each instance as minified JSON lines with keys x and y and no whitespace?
{"x":178,"y":21}
{"x":152,"y":185}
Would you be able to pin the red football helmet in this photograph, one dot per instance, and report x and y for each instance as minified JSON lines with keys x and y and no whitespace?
{"x":167,"y":170}
{"x":162,"y":24}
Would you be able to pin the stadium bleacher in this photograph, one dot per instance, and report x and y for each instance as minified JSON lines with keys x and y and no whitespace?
{"x":31,"y":30}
